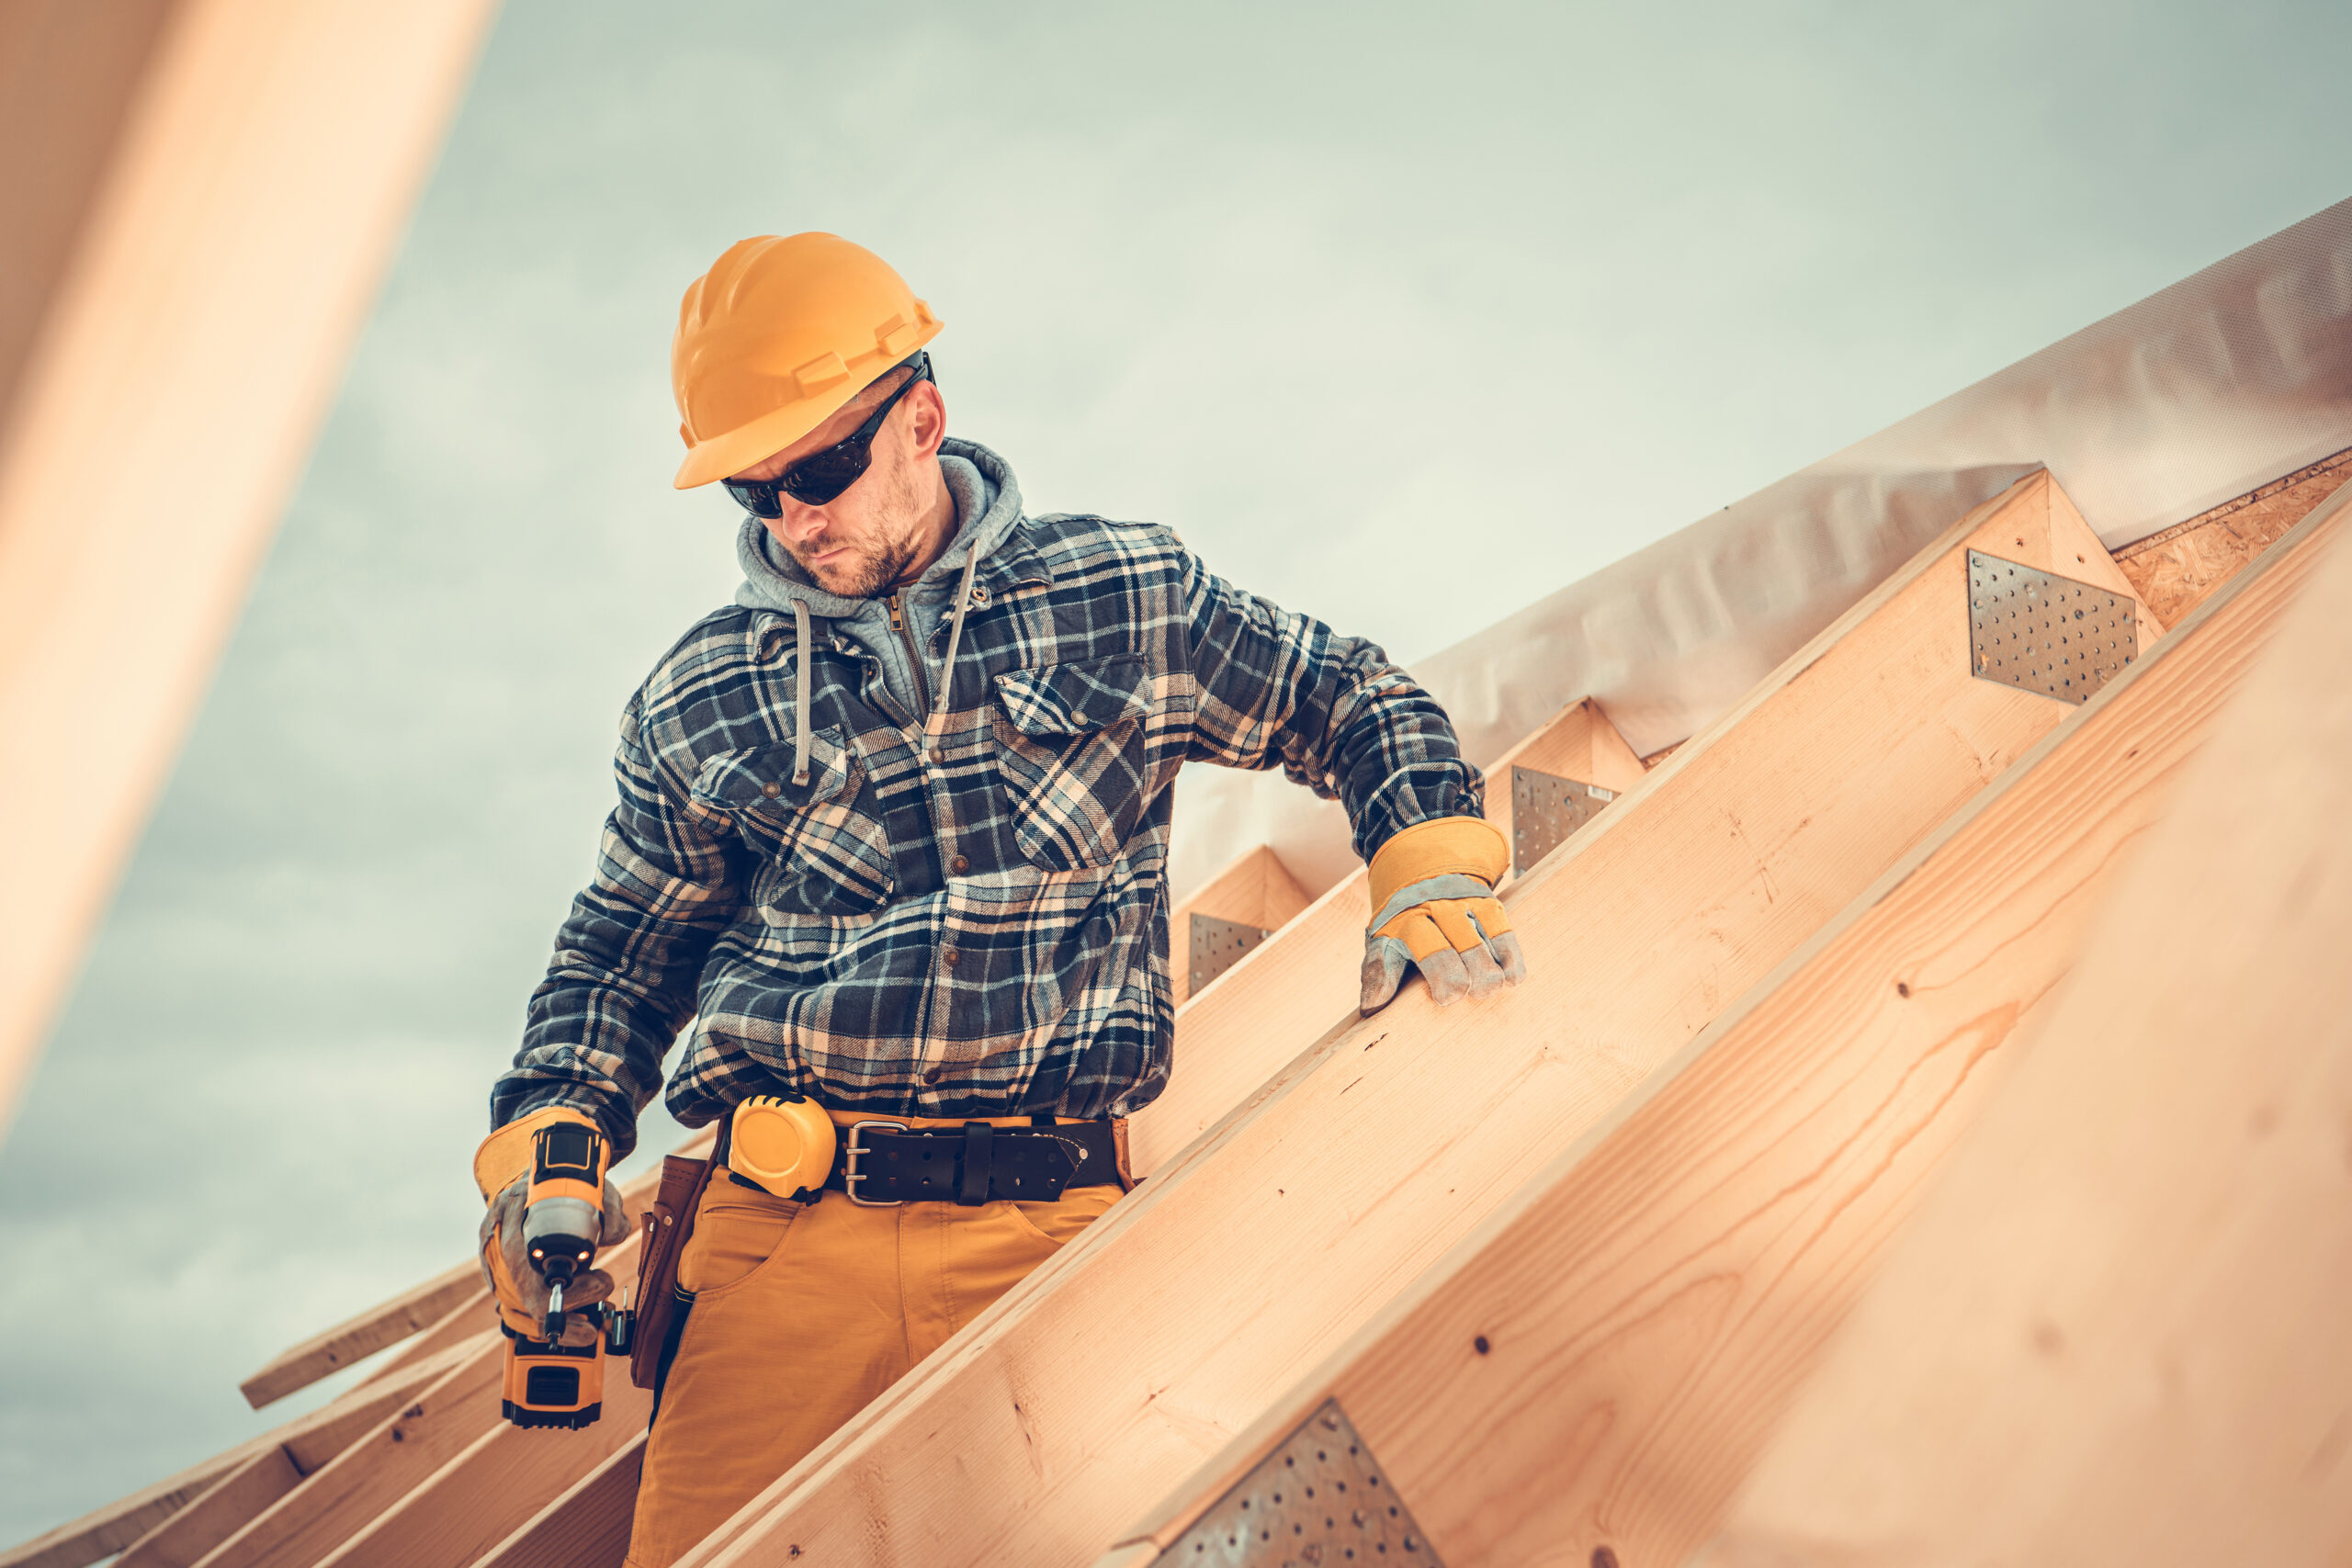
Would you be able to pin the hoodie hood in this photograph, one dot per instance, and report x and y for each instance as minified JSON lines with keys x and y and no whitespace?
{"x":987,"y":509}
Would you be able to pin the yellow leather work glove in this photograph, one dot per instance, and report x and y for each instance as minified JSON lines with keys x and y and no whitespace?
{"x":502,"y":1172}
{"x":1433,"y":907}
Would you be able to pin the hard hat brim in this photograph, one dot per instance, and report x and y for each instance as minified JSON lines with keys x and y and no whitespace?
{"x":732,"y":451}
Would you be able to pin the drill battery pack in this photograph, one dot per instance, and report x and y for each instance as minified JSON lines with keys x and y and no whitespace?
{"x":553,"y":1385}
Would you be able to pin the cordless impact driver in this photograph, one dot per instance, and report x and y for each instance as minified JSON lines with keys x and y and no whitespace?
{"x":547,"y":1382}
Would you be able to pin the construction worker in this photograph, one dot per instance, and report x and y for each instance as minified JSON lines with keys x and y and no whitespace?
{"x":893,"y":831}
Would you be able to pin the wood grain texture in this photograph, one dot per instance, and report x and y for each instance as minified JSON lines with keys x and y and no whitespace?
{"x":1256,"y":889}
{"x":337,"y":1501}
{"x":2114,"y":1333}
{"x":180,"y":1540}
{"x":2174,"y":568}
{"x":262,"y":175}
{"x":587,"y":1526}
{"x":1600,"y":1364}
{"x":484,"y":1494}
{"x":1062,"y":1412}
{"x":1290,"y":992}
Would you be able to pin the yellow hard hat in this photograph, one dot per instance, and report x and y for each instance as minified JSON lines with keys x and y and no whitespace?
{"x":777,"y":335}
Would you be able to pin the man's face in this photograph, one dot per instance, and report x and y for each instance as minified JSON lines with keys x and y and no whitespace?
{"x":864,"y":540}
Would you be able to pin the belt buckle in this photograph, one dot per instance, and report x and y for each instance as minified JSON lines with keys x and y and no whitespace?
{"x":852,"y":1176}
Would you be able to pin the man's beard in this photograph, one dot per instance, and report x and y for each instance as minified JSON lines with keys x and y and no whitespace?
{"x":871,"y":576}
{"x":873,"y":573}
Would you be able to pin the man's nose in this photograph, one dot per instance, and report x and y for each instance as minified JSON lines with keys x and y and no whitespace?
{"x":801,"y":523}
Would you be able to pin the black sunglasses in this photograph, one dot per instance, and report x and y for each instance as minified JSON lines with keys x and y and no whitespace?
{"x":821,"y":476}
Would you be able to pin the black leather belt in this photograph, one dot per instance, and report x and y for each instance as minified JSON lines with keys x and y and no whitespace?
{"x":883,"y":1162}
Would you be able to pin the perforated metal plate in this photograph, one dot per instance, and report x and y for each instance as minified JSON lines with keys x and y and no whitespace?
{"x":1544,"y":809}
{"x":2041,"y":632}
{"x":1318,"y":1501}
{"x":1216,"y":946}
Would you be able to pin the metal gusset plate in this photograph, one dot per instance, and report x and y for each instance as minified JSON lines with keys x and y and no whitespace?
{"x":1318,"y":1501}
{"x":2043,"y":633}
{"x":1216,"y":946}
{"x":1544,"y":809}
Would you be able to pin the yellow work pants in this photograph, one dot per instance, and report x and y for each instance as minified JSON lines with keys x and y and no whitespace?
{"x":802,"y":1314}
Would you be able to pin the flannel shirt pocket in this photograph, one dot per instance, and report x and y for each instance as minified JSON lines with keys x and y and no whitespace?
{"x":821,"y":852}
{"x":1071,"y":752}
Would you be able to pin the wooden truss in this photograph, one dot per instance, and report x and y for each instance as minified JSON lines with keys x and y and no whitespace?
{"x":1590,"y":1374}
{"x":1562,"y":1261}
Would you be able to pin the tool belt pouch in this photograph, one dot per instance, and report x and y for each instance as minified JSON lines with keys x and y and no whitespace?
{"x":668,"y":1224}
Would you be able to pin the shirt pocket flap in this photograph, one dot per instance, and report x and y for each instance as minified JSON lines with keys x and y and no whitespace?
{"x":759,"y":778}
{"x":1078,"y":698}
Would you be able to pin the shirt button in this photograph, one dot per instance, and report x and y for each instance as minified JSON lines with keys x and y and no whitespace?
{"x":950,"y":957}
{"x":958,"y":866}
{"x":932,"y":1074}
{"x":770,"y":790}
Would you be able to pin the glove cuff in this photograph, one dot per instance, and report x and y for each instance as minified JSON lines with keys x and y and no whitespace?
{"x":1443,"y":846}
{"x":504,"y":1157}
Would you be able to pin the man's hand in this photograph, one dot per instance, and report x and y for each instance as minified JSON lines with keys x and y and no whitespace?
{"x":1433,"y":907}
{"x":522,"y":1293}
{"x":503,"y":1173}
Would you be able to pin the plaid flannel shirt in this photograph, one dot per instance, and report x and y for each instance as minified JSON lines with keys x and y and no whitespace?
{"x":982,"y":931}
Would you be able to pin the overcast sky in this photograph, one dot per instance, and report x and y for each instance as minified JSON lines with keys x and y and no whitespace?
{"x":1402,"y":316}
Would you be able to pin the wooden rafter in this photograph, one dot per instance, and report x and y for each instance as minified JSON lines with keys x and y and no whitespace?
{"x":2114,"y":1333}
{"x":1590,"y":1375}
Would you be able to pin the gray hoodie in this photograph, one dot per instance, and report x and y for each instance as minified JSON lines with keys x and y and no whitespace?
{"x":988,"y":508}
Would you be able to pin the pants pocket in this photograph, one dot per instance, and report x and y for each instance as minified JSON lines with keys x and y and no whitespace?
{"x":738,"y":1231}
{"x":1060,"y":1221}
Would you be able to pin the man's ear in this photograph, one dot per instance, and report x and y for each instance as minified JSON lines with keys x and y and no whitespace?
{"x":930,"y":427}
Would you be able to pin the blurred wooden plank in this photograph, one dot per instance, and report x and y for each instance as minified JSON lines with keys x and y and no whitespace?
{"x":1061,"y":1413}
{"x":1592,"y":1373}
{"x":2115,"y":1332}
{"x":70,"y":73}
{"x":587,"y":1527}
{"x":259,"y":180}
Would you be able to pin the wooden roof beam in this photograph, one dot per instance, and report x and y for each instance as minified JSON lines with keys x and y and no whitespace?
{"x":2115,"y":1331}
{"x":1590,"y":1375}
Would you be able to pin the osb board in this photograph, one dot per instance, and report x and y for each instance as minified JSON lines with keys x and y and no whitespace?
{"x":2174,"y":568}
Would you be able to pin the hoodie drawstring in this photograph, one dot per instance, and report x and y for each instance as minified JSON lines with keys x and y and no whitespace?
{"x":800,"y":692}
{"x":931,"y":727}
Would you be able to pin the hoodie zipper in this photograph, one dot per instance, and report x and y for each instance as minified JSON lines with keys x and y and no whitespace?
{"x":914,"y":661}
